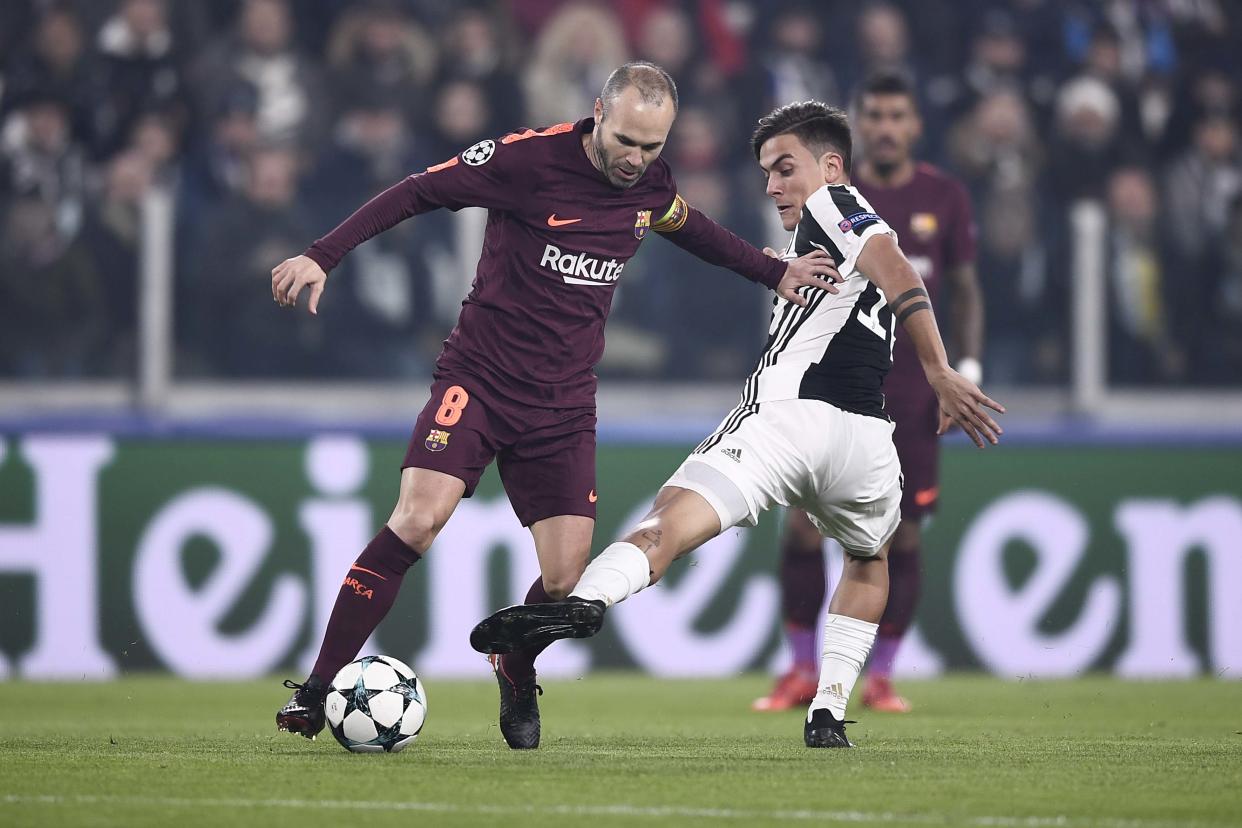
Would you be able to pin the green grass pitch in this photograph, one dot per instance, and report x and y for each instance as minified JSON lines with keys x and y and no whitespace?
{"x":622,"y":750}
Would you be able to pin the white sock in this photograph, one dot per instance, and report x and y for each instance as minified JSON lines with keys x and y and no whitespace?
{"x":846,"y":644}
{"x":616,"y":573}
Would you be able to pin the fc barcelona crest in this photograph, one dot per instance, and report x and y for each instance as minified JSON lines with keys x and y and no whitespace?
{"x":642,"y":224}
{"x":436,"y":440}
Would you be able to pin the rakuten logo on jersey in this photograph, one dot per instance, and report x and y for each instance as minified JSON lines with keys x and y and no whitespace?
{"x":581,"y":269}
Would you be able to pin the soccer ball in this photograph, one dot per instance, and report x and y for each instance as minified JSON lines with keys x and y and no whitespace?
{"x":375,"y":704}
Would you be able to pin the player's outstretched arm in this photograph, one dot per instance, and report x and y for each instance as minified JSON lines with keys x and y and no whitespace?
{"x":961,"y":401}
{"x":491,"y":177}
{"x":696,"y":233}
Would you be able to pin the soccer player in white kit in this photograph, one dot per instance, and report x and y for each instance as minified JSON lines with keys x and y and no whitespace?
{"x":810,"y":430}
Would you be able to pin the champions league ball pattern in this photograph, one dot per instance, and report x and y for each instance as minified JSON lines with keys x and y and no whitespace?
{"x":375,"y":705}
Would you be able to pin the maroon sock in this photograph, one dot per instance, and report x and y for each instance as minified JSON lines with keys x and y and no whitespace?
{"x":904,"y":584}
{"x":521,"y":664}
{"x":802,"y":581}
{"x":370,"y":587}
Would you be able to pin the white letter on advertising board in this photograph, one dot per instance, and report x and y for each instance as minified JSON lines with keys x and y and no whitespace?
{"x":182,"y":621}
{"x":60,"y":549}
{"x":1160,"y":534}
{"x":1002,"y":624}
{"x":338,"y":526}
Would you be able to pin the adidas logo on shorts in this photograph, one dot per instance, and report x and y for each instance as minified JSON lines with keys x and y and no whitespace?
{"x":734,"y":454}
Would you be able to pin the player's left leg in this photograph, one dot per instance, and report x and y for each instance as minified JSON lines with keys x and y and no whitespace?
{"x":860,"y":506}
{"x":849,"y":631}
{"x":563,"y":544}
{"x":549,"y":475}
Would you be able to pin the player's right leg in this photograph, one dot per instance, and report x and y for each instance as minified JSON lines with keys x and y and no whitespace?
{"x":450,"y":446}
{"x":426,"y":501}
{"x":680,"y":521}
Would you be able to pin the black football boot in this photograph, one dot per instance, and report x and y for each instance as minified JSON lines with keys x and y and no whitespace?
{"x":303,"y":713}
{"x":519,"y":709}
{"x":826,"y":731}
{"x":537,"y":625}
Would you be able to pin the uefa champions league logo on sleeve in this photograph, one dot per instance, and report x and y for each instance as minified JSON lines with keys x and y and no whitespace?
{"x":479,"y":153}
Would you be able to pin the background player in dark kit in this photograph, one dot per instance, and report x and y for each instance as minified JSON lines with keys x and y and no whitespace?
{"x":931,"y":213}
{"x":567,"y":207}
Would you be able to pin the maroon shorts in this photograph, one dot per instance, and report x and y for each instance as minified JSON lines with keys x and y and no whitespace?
{"x":546,"y":456}
{"x":918,"y":449}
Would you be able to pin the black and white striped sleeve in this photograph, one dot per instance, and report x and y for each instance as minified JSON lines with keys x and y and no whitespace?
{"x":837,"y":219}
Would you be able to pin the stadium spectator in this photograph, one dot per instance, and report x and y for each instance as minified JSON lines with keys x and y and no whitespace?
{"x":996,"y":149}
{"x":55,"y":59}
{"x":262,"y":52}
{"x":476,"y":50}
{"x":230,"y":333}
{"x":113,"y":232}
{"x":377,"y":49}
{"x":52,"y":309}
{"x":42,"y":162}
{"x":1086,"y":139}
{"x":1201,"y":188}
{"x":1140,"y":347}
{"x":570,"y":61}
{"x":138,"y":70}
{"x":789,"y":64}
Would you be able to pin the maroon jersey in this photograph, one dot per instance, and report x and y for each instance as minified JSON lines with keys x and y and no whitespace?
{"x":932,"y":216}
{"x":557,"y":241}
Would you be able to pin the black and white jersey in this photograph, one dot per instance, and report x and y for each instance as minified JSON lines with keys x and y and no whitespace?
{"x":839,"y":347}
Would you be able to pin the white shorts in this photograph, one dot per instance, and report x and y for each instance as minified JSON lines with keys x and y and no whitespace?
{"x":840,"y":467}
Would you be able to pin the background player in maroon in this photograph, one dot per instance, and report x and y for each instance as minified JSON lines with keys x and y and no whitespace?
{"x":567,"y":207}
{"x":932,"y":216}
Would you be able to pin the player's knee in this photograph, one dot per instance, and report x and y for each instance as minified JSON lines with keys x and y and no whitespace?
{"x":558,"y":585}
{"x":416,"y":527}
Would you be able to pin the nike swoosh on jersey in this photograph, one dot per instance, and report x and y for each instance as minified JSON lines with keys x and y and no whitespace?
{"x":553,"y":221}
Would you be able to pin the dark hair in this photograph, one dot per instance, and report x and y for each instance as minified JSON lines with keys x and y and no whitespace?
{"x":887,"y":83}
{"x":651,"y":81}
{"x":817,"y":125}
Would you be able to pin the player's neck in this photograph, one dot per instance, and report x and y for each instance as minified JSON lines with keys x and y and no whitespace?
{"x":588,"y":146}
{"x":895,"y":175}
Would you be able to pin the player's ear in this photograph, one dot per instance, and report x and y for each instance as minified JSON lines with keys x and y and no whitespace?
{"x":599,"y":111}
{"x":832,"y":167}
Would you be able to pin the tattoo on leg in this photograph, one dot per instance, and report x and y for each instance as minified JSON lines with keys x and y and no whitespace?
{"x":651,"y":539}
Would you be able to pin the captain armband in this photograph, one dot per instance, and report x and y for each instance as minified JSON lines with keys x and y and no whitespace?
{"x":673,"y":220}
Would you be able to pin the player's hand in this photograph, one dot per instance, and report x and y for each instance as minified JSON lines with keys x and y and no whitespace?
{"x":962,"y":402}
{"x":816,"y":269}
{"x":291,"y":275}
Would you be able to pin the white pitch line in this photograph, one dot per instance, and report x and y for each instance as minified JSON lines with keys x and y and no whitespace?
{"x":622,"y":810}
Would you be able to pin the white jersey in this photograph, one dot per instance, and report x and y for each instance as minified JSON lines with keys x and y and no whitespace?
{"x":810,"y":430}
{"x":839,"y":347}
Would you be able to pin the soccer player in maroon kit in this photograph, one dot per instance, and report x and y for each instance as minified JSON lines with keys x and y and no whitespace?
{"x":931,"y":213}
{"x":567,"y":207}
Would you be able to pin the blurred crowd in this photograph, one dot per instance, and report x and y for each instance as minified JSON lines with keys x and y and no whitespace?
{"x":266,"y":122}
